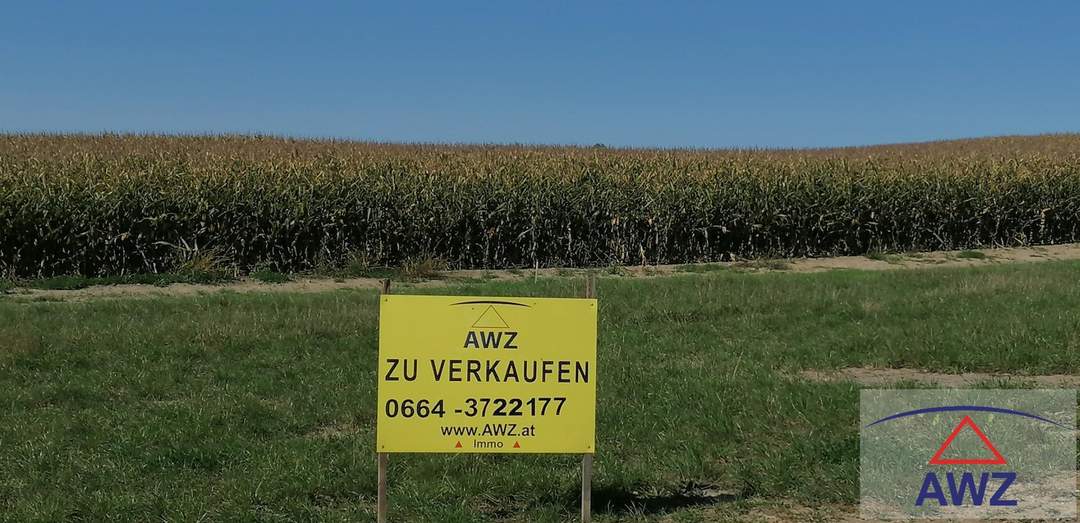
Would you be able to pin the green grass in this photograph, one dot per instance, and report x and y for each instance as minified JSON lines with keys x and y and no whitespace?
{"x":262,"y":406}
{"x":269,"y":276}
{"x":739,"y":266}
{"x":972,"y":255}
{"x":414,"y":271}
{"x":701,"y":267}
{"x":73,"y":282}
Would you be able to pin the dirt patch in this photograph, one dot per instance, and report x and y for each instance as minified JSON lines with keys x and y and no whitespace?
{"x":791,"y":512}
{"x":873,"y":377}
{"x":19,"y":343}
{"x":765,"y":511}
{"x":1047,"y":498}
{"x":1069,"y":251}
{"x":189,"y":289}
{"x":334,"y":431}
{"x":799,"y":265}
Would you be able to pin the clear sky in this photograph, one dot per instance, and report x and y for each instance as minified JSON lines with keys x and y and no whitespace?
{"x":772,"y":74}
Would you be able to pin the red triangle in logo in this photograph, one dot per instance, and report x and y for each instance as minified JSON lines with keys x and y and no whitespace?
{"x":998,"y":459}
{"x":458,"y":446}
{"x":517,"y":445}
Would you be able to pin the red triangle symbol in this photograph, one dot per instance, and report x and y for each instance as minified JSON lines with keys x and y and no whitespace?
{"x":458,"y":446}
{"x":517,"y":445}
{"x":998,"y":459}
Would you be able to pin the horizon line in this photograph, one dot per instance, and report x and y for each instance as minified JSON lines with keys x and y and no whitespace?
{"x":21,"y":133}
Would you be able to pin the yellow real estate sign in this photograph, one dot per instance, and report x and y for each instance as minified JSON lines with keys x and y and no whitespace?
{"x":483,"y":374}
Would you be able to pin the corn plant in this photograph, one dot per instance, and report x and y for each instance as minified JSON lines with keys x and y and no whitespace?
{"x":100,"y":205}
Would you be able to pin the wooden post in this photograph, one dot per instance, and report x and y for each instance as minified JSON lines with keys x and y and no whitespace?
{"x":590,"y":286}
{"x":586,"y":488}
{"x":380,"y":502}
{"x":587,"y":459}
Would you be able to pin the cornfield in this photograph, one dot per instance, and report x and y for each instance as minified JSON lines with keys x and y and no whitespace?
{"x":110,"y":204}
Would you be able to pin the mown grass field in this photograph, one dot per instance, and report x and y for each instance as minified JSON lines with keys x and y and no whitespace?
{"x":261,"y":407}
{"x":112,"y":206}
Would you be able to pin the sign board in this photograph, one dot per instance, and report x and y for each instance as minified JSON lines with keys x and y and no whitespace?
{"x":484,"y":374}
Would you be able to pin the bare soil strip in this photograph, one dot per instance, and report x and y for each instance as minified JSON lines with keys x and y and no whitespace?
{"x":874,"y":377}
{"x":791,"y":511}
{"x":799,"y":265}
{"x":774,"y":512}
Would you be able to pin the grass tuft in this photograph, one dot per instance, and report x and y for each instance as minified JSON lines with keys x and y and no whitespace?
{"x":701,"y":267}
{"x":972,"y":255}
{"x":423,"y":268}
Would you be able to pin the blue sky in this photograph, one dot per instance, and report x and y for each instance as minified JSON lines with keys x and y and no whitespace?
{"x":770,"y":74}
